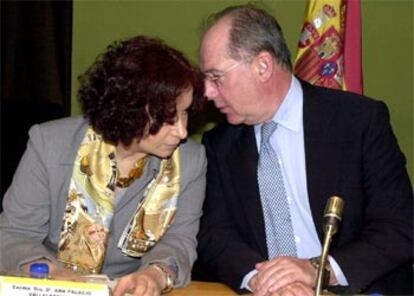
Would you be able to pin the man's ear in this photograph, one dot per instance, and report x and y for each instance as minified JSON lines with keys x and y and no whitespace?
{"x":263,"y":64}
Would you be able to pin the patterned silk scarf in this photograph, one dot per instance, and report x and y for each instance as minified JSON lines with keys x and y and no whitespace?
{"x":90,"y":207}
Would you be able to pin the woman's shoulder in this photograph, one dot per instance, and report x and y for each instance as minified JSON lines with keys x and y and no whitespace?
{"x":191,"y":147}
{"x":62,"y":124}
{"x":192,"y":154}
{"x":193,"y":163}
{"x":59,"y":129}
{"x":58,"y":137}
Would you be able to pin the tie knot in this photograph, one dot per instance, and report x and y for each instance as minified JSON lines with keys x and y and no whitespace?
{"x":268,"y":128}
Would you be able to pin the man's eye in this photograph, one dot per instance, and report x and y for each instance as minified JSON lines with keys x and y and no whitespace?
{"x":212,"y":77}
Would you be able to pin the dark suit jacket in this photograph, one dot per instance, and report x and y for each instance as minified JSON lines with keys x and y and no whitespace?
{"x":350,"y":151}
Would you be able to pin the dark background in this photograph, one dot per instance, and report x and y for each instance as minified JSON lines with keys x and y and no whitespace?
{"x":36,"y":42}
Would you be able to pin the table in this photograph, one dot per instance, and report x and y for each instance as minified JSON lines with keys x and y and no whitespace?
{"x":213,"y":289}
{"x":203,"y":289}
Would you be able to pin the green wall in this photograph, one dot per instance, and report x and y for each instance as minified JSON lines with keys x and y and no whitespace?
{"x":387,"y":42}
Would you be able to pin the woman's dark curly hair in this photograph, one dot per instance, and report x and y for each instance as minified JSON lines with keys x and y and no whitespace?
{"x":133,"y":88}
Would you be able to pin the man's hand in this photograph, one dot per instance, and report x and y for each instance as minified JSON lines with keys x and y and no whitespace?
{"x":149,"y":282}
{"x":294,"y":289}
{"x":281,"y":272}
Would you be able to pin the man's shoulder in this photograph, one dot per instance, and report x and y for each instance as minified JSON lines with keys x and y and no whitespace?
{"x":336,"y":96}
{"x":225,"y":132}
{"x":224,"y":128}
{"x":350,"y":112}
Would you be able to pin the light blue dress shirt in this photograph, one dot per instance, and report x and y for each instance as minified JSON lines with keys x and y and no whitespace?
{"x":288,"y":142}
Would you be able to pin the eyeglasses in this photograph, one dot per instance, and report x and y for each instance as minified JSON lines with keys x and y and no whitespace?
{"x":216,"y":78}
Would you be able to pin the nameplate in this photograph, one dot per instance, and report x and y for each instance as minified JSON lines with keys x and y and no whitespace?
{"x":23,"y":286}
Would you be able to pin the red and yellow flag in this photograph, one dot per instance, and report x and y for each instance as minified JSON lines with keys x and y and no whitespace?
{"x":330,"y":45}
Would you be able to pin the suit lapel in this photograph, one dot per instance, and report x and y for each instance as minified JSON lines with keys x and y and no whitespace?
{"x":243,"y":166}
{"x":321,"y":150}
{"x":67,"y":159}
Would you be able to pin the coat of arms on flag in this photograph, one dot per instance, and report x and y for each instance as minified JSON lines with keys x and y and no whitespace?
{"x":326,"y":54}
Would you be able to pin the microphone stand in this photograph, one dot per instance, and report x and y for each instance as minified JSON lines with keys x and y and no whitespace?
{"x":329,"y":232}
{"x":332,"y":216}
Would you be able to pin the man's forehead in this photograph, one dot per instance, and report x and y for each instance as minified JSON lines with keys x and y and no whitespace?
{"x":212,"y":56}
{"x":209,"y":59}
{"x":214,"y":45}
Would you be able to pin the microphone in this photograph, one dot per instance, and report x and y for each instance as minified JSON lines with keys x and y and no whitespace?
{"x":332,"y":217}
{"x":333,"y":214}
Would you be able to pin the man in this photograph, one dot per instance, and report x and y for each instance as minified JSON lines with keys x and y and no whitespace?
{"x":326,"y":143}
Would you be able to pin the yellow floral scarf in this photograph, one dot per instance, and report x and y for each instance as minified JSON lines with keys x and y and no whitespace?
{"x":90,"y":207}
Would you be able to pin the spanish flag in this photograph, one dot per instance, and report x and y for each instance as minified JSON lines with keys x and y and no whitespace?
{"x":330,"y":45}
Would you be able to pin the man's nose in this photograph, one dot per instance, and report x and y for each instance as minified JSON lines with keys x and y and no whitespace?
{"x":210,"y":90}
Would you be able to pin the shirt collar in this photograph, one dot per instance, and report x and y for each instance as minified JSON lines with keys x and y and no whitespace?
{"x":289,"y":114}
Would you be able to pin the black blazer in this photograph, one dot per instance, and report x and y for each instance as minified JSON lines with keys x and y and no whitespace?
{"x":350,"y":151}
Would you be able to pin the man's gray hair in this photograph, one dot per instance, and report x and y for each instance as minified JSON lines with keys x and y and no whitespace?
{"x":253,"y":30}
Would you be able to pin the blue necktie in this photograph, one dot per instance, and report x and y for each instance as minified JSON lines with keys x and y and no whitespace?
{"x":278,"y":223}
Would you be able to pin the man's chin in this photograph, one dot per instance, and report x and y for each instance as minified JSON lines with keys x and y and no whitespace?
{"x":234,"y":119}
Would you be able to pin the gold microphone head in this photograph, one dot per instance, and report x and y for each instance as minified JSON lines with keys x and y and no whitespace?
{"x":333,"y":213}
{"x":334,"y":207}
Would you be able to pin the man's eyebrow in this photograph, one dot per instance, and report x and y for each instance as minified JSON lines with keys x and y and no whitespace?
{"x":211,"y":71}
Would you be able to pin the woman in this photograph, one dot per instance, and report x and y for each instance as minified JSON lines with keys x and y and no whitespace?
{"x":124,"y":175}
